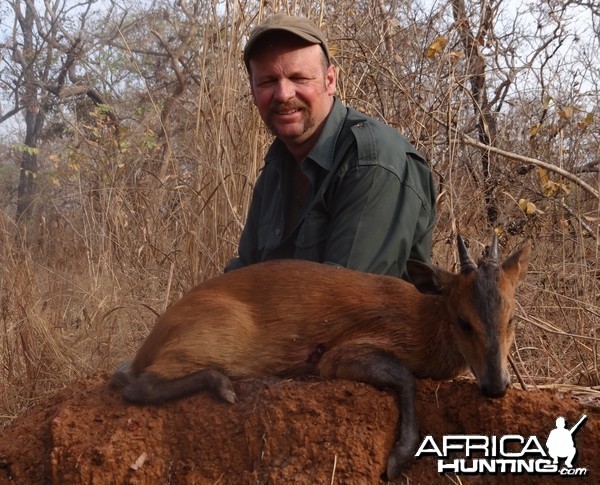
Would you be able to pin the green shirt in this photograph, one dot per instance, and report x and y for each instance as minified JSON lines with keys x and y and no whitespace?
{"x":369,"y":206}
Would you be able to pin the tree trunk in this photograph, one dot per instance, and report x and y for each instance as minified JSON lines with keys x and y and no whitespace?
{"x":486,"y":122}
{"x":34,"y":120}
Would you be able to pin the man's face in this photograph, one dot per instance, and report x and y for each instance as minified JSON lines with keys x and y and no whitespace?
{"x":293,"y":91}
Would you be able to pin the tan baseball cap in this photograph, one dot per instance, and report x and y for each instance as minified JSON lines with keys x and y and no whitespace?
{"x":299,"y":26}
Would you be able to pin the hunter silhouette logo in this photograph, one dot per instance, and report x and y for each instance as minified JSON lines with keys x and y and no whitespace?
{"x":560,"y":442}
{"x":511,"y":453}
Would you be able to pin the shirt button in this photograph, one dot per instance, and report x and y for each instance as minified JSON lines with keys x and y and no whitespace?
{"x":277,"y":232}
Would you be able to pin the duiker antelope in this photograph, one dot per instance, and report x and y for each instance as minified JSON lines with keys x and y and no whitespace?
{"x":292,"y":317}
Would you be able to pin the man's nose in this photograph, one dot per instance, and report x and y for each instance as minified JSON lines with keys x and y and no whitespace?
{"x":284,"y":90}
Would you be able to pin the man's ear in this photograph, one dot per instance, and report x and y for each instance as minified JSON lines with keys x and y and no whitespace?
{"x":331,"y":80}
{"x":251,"y":83}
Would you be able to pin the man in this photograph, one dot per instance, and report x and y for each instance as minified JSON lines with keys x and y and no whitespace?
{"x":337,"y":187}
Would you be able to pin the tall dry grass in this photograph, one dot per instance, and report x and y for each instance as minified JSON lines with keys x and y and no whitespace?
{"x":127,"y":221}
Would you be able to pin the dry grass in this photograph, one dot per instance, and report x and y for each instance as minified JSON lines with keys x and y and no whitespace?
{"x":126,"y":223}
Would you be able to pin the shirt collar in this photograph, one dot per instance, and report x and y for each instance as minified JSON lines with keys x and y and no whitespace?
{"x":323,"y":152}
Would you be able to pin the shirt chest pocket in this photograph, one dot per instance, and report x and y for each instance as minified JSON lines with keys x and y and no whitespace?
{"x":269,"y":236}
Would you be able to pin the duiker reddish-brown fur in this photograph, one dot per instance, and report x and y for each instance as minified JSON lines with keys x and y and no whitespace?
{"x":291,"y":317}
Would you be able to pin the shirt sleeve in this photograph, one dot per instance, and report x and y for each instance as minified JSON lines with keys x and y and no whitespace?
{"x":248,"y":251}
{"x":378,"y":222}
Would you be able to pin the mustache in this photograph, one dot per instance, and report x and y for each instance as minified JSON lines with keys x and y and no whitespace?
{"x":276,"y":107}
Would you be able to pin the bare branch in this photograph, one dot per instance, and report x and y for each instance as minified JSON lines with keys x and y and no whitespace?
{"x":10,"y":113}
{"x":538,"y":163}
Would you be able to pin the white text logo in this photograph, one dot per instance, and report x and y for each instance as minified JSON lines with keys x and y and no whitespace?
{"x":481,"y":454}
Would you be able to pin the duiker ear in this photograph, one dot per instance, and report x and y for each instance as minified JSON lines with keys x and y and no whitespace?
{"x":428,"y":279}
{"x":516,"y":264}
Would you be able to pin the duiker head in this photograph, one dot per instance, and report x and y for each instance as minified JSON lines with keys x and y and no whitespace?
{"x":480,"y":303}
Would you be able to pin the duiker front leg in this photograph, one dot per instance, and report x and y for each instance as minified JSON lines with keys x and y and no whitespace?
{"x":365,"y":363}
{"x":122,"y":376}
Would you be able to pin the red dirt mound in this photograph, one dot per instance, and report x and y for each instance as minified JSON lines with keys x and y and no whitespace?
{"x":302,"y":431}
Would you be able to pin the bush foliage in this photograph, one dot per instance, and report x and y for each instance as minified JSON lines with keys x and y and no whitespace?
{"x":146,"y":145}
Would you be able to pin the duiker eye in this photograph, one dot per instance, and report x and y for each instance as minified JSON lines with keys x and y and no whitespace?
{"x":464,"y":325}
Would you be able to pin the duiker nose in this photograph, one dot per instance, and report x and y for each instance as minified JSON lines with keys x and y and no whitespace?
{"x":495,"y":389}
{"x":493,"y":392}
